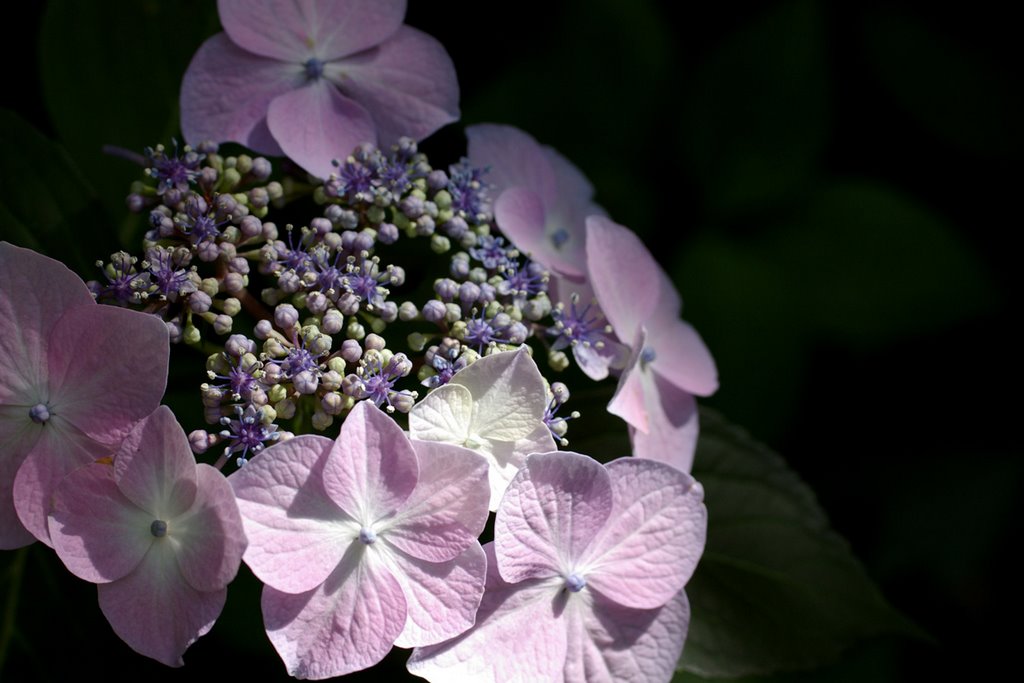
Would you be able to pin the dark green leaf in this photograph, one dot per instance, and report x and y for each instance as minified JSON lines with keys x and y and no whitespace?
{"x":777,"y":588}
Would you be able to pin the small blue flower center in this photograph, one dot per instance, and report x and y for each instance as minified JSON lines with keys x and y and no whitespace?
{"x":367,"y":536}
{"x":39,"y":413}
{"x":647,"y":356}
{"x":575,"y":582}
{"x":314,"y":69}
{"x":158,"y":528}
{"x":559,"y":237}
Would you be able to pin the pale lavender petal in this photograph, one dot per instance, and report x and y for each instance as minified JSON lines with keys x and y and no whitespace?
{"x":108,"y":369}
{"x":60,"y":449}
{"x":210,"y":536}
{"x":98,"y":534}
{"x":407,"y":83}
{"x":447,"y":510}
{"x":508,"y":457}
{"x":519,"y":212}
{"x":610,"y":643}
{"x":673,"y":426}
{"x":518,"y":637}
{"x":515,"y":159}
{"x":155,"y":468}
{"x":34,"y":292}
{"x":681,"y":356}
{"x":625,"y":277}
{"x":347,"y":624}
{"x":509,"y":395}
{"x":155,"y":611}
{"x":372,"y":468}
{"x":630,"y":399}
{"x":654,"y":537}
{"x":297,"y":534}
{"x":574,"y":188}
{"x":445,"y":414}
{"x":226,"y":92}
{"x":19,"y":435}
{"x":295,"y":31}
{"x":316,"y":124}
{"x":442,"y":597}
{"x":551,"y":512}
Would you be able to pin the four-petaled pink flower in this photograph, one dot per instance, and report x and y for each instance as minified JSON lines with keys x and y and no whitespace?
{"x":160,"y":534}
{"x":585,"y":576}
{"x":669,"y":362}
{"x":75,"y":377}
{"x":313,"y":79}
{"x":363,"y":543}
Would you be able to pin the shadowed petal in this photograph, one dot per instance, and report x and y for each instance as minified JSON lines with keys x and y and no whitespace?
{"x":672,"y":424}
{"x":210,"y":533}
{"x":19,"y":435}
{"x":507,"y":458}
{"x":155,"y":468}
{"x":682,"y":358}
{"x":515,"y":159}
{"x":156,"y":611}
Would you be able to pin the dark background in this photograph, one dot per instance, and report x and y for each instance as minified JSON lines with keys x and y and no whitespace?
{"x":833,"y":187}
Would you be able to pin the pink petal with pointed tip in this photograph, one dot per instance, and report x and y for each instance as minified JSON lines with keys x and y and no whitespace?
{"x":98,"y":534}
{"x":509,"y":395}
{"x":154,"y":466}
{"x":156,"y":611}
{"x":346,"y":624}
{"x":630,"y":399}
{"x":226,"y":92}
{"x":210,"y":535}
{"x":316,"y":124}
{"x":442,"y":597}
{"x":447,"y":510}
{"x":297,"y":534}
{"x":60,"y":449}
{"x":514,"y":159}
{"x":682,"y":358}
{"x":672,"y":427}
{"x":611,"y":643}
{"x":407,"y":83}
{"x":108,"y":369}
{"x":654,"y":538}
{"x":372,"y":468}
{"x":551,"y":512}
{"x":625,"y":277}
{"x":34,"y":292}
{"x":296,"y":31}
{"x":517,"y":637}
{"x":19,"y":436}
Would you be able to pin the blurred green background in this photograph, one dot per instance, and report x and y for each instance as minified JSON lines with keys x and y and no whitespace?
{"x":833,"y":187}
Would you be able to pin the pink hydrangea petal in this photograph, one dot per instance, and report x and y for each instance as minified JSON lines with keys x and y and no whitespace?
{"x":346,"y":624}
{"x":34,"y":292}
{"x":631,"y":394}
{"x":155,"y":468}
{"x":210,"y":533}
{"x":519,"y":212}
{"x":297,"y":534}
{"x":682,"y":358}
{"x":155,"y":611}
{"x":98,"y":534}
{"x":507,"y":458}
{"x":372,"y":469}
{"x":315,"y":124}
{"x":509,"y":396}
{"x":573,"y":186}
{"x":108,"y":369}
{"x":226,"y":92}
{"x":296,"y":31}
{"x":551,"y":512}
{"x":442,"y":597}
{"x":407,"y":83}
{"x":625,"y":276}
{"x":19,"y":435}
{"x":609,"y":643}
{"x":60,"y":449}
{"x":654,"y":538}
{"x":673,"y":426}
{"x":517,"y":637}
{"x":447,"y":510}
{"x":515,"y":159}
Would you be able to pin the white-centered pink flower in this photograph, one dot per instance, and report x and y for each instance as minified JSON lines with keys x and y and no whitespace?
{"x":669,"y":362}
{"x":495,"y":407}
{"x":585,"y":577}
{"x":160,"y":534}
{"x":363,"y":543}
{"x":313,"y":79}
{"x":75,"y":377}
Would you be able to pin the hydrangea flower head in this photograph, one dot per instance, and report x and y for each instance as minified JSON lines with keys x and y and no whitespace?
{"x":313,"y":79}
{"x":669,"y":362}
{"x":74,"y":379}
{"x":585,"y":577}
{"x":160,"y":534}
{"x":363,"y":543}
{"x":494,"y":406}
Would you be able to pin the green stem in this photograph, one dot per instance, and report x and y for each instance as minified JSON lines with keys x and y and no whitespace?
{"x":10,"y":611}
